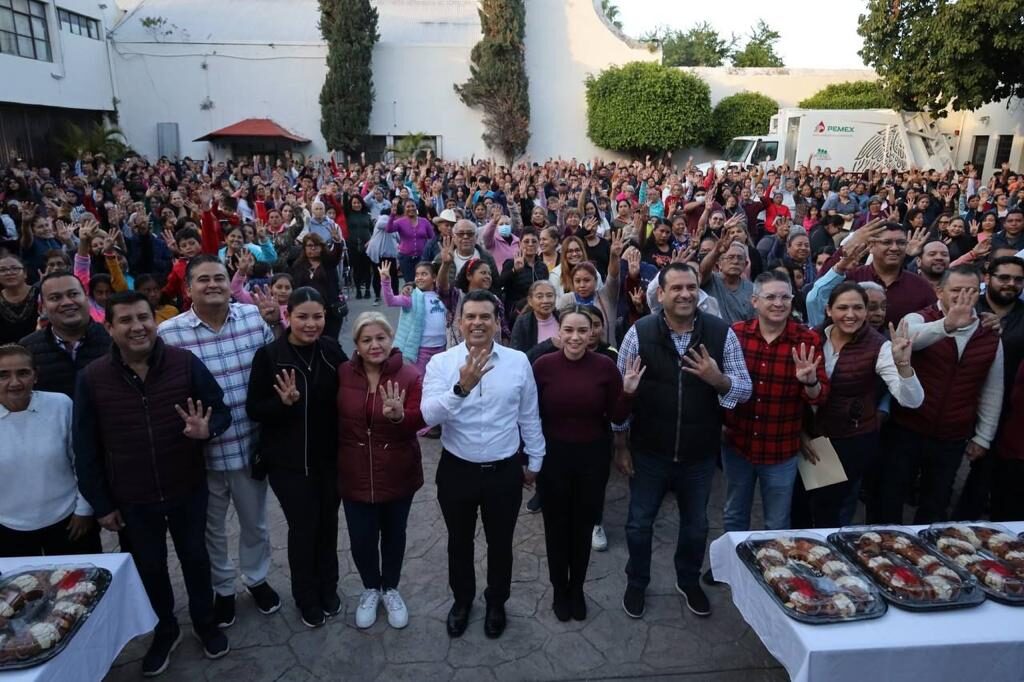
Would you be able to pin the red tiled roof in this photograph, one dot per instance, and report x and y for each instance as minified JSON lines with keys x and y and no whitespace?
{"x":252,"y":127}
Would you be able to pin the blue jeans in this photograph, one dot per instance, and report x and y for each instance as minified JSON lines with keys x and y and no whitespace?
{"x":653,"y":477}
{"x":407,"y":264}
{"x":777,"y":482}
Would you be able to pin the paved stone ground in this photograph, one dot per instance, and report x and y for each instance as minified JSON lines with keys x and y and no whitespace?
{"x":668,"y":643}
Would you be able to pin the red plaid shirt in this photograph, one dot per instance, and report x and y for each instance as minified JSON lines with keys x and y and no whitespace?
{"x":766,"y":428}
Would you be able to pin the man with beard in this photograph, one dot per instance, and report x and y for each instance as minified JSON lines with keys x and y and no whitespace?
{"x":933,"y":261}
{"x":1005,"y":282}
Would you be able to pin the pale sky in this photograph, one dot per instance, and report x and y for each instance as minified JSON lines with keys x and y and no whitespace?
{"x":814,"y":34}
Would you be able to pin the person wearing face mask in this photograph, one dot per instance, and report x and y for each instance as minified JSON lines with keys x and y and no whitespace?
{"x":72,"y":339}
{"x":379,"y":462}
{"x":498,"y":238}
{"x":520,"y":272}
{"x":855,"y":357}
{"x":292,"y":389}
{"x":578,"y":392}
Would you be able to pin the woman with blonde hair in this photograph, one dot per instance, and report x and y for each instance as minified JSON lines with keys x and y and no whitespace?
{"x":379,"y":462}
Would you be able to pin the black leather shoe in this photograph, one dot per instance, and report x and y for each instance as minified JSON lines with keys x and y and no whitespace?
{"x":458,"y":619}
{"x":561,"y":606}
{"x":578,"y":604}
{"x":494,"y":621}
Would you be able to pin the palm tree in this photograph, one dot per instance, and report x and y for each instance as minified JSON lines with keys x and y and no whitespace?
{"x":612,"y":12}
{"x":95,"y":139}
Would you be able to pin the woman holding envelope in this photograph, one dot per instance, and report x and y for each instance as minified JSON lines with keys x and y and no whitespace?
{"x":856,"y":356}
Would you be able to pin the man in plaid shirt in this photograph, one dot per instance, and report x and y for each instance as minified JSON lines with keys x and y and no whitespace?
{"x":225,"y":336}
{"x":762,"y":436}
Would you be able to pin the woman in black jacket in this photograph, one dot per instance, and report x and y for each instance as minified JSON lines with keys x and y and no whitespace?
{"x":539,"y":321}
{"x":518,"y":274}
{"x":292,"y":392}
{"x":360,"y":228}
{"x":317,"y":267}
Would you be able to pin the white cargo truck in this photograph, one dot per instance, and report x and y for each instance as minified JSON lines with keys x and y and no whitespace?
{"x":856,"y":139}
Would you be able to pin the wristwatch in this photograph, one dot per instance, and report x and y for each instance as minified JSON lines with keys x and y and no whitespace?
{"x":459,"y":391}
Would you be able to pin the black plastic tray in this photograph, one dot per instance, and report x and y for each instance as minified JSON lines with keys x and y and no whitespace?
{"x":932,"y":534}
{"x":969,"y":594}
{"x":746,"y":552}
{"x":37,"y":610}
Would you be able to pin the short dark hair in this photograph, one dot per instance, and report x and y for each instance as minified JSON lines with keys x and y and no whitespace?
{"x":58,"y":274}
{"x":892,"y":225}
{"x":845,"y":287}
{"x":10,"y":349}
{"x":994,"y":264}
{"x":674,"y":267}
{"x":187,"y":233}
{"x":201,"y":259}
{"x":965,"y":270}
{"x":769,"y":276}
{"x":480,"y":296}
{"x":126,"y":298}
{"x":1015,"y":209}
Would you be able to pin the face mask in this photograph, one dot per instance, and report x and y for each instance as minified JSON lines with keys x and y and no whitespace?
{"x":505,"y":230}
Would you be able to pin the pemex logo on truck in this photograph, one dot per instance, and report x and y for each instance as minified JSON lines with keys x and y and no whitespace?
{"x":822,"y":129}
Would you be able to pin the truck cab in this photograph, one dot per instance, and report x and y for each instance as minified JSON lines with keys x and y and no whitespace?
{"x":746,"y":151}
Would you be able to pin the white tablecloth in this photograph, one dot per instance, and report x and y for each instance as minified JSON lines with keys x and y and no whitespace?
{"x":980,"y":644}
{"x":121,"y":615}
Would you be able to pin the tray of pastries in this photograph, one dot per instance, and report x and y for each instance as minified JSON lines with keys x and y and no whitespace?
{"x":41,"y":609}
{"x":909,"y":573}
{"x":988,"y":551}
{"x":811,"y":581}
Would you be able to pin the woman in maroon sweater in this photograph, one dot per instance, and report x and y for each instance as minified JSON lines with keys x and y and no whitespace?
{"x":579,"y":392}
{"x":379,"y":463}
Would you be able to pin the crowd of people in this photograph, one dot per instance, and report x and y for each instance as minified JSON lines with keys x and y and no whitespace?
{"x":169,"y":349}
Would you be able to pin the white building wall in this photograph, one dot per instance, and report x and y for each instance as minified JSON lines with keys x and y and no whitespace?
{"x":79,"y":76}
{"x":993,"y":120}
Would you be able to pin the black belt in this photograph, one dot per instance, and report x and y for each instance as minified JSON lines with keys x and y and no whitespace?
{"x":483,"y":466}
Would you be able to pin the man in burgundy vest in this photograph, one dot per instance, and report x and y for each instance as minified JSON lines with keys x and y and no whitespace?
{"x":960,"y":365}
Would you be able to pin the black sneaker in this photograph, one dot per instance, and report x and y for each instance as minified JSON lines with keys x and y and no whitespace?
{"x":709,"y":579}
{"x":533,"y":506}
{"x":159,"y":654}
{"x":633,"y":602}
{"x":224,"y":611}
{"x":696,"y":600}
{"x":266,"y":598}
{"x":312,"y":617}
{"x":214,"y":642}
{"x":331,"y":605}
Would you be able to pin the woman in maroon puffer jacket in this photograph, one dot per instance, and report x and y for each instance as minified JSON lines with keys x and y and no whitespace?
{"x":379,"y":463}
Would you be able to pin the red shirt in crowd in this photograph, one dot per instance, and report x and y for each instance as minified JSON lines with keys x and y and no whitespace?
{"x":766,"y":428}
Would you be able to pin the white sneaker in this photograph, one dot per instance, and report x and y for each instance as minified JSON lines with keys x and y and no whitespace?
{"x":598,"y":540}
{"x":366,"y":614}
{"x":398,"y":615}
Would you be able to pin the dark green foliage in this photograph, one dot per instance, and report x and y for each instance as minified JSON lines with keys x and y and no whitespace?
{"x":498,"y":84}
{"x":346,"y":100}
{"x":745,"y":113}
{"x":642,"y":107}
{"x":699,"y":46}
{"x":760,"y":48}
{"x":850,"y":95}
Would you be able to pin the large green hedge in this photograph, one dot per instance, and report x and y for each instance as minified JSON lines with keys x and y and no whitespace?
{"x":644,"y":107}
{"x":849,"y":95}
{"x":745,"y":113}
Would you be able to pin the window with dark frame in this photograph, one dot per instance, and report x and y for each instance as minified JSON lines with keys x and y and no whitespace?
{"x":23,"y":30}
{"x":1003,"y":148}
{"x":78,"y":24}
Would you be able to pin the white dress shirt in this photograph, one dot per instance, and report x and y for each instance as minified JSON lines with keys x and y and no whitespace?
{"x":38,"y":486}
{"x":990,"y":402}
{"x":485,"y":426}
{"x":908,"y":391}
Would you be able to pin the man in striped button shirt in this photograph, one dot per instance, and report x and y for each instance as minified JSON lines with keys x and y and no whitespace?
{"x":225,"y":336}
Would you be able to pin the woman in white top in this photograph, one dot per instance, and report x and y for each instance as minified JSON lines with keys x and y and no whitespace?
{"x":41,"y":510}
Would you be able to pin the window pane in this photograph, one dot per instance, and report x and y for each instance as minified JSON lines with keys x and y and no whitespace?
{"x":22,"y":25}
{"x":62,"y":15}
{"x":25,"y":48}
{"x":94,"y":30}
{"x":5,"y":3}
{"x":43,"y":51}
{"x":6,"y":20}
{"x":21,"y":5}
{"x":38,"y":28}
{"x":38,"y":9}
{"x":8,"y":43}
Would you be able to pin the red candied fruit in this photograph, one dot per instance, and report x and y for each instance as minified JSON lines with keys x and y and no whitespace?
{"x":71,"y":579}
{"x":995,"y":567}
{"x":906,"y":575}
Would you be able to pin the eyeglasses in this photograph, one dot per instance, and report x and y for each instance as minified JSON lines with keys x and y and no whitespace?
{"x":463,"y":234}
{"x":777,"y":298}
{"x":11,"y":270}
{"x":1016,"y":279}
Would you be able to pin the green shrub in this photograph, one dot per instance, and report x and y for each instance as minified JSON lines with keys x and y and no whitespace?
{"x":745,"y":113}
{"x":849,"y":95}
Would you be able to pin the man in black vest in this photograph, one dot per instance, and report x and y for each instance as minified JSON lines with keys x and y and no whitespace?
{"x":140,"y":463}
{"x":71,"y":341}
{"x":674,"y":434}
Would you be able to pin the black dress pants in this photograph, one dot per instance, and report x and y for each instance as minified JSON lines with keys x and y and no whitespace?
{"x":495,"y":489}
{"x":49,"y":541}
{"x":310,"y":505}
{"x":572,"y":484}
{"x":822,"y":508}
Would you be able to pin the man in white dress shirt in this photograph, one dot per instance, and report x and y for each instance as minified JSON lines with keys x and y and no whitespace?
{"x":484,"y":397}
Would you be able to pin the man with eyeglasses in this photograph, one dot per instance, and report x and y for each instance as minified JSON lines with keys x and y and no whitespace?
{"x":728,"y":286}
{"x":466,"y":249}
{"x":906,"y":292}
{"x":1004,"y":285}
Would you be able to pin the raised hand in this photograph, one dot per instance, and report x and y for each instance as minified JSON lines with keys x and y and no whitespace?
{"x":866,"y":234}
{"x":287,"y":390}
{"x":975,"y":228}
{"x":807,"y":362}
{"x":617,"y":246}
{"x":632,"y":257}
{"x":335,"y":234}
{"x":684,"y":254}
{"x":393,"y":399}
{"x":961,"y":312}
{"x":447,"y":249}
{"x":197,"y":422}
{"x":637,"y":297}
{"x":519,"y":262}
{"x":475,"y":368}
{"x":852,"y":256}
{"x":111,"y":240}
{"x":246,"y":263}
{"x":917,"y":241}
{"x":169,"y":240}
{"x":631,"y":378}
{"x":902,"y":344}
{"x":982,"y":248}
{"x":63,"y":232}
{"x":700,"y":364}
{"x":270,"y":309}
{"x":261,"y":232}
{"x":384,"y":269}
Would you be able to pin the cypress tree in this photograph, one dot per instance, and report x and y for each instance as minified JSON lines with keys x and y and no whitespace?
{"x":498,"y":84}
{"x":346,"y":99}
